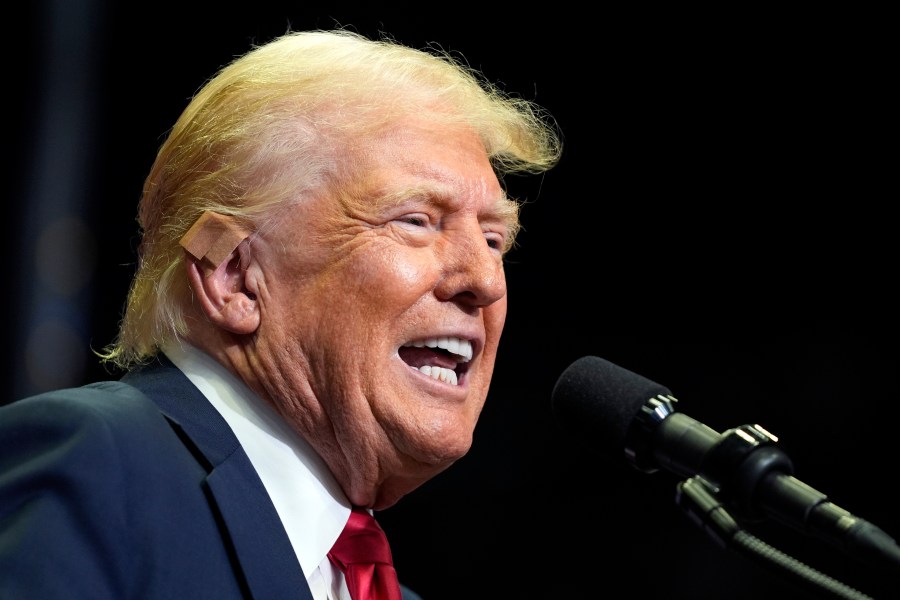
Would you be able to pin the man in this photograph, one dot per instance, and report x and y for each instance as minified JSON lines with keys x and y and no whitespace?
{"x":312,"y":328}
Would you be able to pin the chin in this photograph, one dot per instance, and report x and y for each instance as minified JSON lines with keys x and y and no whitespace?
{"x":433,"y":445}
{"x":438,"y":453}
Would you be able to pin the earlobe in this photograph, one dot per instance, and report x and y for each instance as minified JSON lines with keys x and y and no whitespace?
{"x":223,"y":291}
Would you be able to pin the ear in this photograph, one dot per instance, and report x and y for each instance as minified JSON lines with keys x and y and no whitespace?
{"x":224,"y":291}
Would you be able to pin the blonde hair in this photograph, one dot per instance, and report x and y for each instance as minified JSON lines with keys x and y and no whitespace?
{"x":267,"y":130}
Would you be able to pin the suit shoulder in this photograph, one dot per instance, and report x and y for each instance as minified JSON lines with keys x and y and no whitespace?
{"x":104,"y":410}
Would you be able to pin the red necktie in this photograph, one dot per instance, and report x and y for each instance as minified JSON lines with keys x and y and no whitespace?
{"x":363,"y":554}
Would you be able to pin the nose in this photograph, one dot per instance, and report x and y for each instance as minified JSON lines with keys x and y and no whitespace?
{"x":472,"y":271}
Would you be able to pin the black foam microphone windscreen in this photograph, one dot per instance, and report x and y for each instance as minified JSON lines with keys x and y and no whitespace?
{"x":597,"y":401}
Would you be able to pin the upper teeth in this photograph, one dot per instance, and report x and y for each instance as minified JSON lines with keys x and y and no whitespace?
{"x":454,"y":345}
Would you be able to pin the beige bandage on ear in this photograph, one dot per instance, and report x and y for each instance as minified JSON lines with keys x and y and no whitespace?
{"x":213,"y":237}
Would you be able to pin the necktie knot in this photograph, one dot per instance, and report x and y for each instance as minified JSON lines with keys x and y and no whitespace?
{"x":362,"y":553}
{"x":362,"y":541}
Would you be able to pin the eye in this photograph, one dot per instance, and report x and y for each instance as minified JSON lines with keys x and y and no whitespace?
{"x":494,"y":241}
{"x":414,"y":220}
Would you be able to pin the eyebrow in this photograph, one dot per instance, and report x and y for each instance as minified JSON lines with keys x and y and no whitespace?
{"x":504,"y":209}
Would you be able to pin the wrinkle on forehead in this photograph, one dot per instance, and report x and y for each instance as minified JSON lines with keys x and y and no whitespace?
{"x":414,"y":160}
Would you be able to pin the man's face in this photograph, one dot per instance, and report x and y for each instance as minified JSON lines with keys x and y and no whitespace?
{"x":382,"y":310}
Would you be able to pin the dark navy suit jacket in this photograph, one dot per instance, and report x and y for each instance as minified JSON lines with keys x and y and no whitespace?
{"x":136,"y":489}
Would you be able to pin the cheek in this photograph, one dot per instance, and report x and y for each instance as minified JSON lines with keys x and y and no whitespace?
{"x":494,"y":320}
{"x":403,"y":273}
{"x":408,"y":265}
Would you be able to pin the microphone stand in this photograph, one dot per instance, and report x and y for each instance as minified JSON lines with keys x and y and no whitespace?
{"x":697,"y":498}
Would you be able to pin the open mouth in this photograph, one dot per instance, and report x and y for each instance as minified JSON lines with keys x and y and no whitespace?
{"x":443,"y":358}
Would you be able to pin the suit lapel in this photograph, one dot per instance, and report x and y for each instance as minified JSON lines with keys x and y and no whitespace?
{"x":252,"y":524}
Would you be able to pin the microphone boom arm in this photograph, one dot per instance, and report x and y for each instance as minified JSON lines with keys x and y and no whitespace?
{"x":747,"y":469}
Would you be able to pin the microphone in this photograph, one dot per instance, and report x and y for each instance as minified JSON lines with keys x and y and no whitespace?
{"x":630,"y":417}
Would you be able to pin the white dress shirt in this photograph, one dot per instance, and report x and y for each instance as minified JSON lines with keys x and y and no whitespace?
{"x":311,"y":505}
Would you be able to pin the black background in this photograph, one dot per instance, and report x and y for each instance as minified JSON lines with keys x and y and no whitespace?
{"x":721,"y":223}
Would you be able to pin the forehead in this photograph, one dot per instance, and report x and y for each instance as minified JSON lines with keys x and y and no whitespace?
{"x":434,"y":162}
